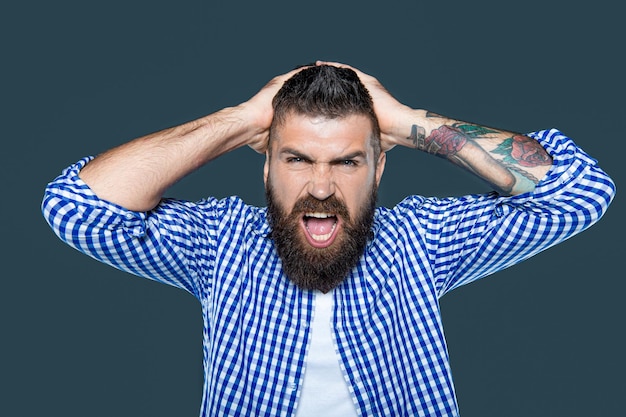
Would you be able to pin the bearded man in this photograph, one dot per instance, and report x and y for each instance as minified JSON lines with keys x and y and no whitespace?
{"x":322,"y":303}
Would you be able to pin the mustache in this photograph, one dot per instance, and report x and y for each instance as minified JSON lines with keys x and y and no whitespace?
{"x":331,"y":205}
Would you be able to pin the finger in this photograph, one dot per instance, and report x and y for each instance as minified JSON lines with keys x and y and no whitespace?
{"x":291,"y":73}
{"x":277,"y":82}
{"x":340,"y":65}
{"x":363,"y":76}
{"x":334,"y":64}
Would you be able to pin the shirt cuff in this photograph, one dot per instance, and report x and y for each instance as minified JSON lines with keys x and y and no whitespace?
{"x":70,"y":188}
{"x":569,"y":162}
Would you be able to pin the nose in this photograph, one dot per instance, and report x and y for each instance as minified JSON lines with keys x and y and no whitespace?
{"x":321,"y":185}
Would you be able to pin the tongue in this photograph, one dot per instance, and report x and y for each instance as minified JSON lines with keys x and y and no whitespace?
{"x":320,"y":226}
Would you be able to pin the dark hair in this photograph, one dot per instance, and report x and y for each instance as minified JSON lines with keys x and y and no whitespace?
{"x":326,"y":91}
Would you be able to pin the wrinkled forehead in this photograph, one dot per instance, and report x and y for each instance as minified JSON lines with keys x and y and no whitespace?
{"x":321,"y":130}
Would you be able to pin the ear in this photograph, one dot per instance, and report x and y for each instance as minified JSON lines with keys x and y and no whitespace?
{"x":266,"y":167}
{"x":380,"y":167}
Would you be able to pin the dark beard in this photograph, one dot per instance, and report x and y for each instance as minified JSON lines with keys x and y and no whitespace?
{"x":313,"y":268}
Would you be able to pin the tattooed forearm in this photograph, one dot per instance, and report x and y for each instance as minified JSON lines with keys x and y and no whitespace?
{"x":505,"y":163}
{"x":446,"y":140}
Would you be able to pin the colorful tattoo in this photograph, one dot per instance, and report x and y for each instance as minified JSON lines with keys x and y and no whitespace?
{"x":523,"y":151}
{"x":460,"y":144}
{"x":444,"y":141}
{"x":473,"y":131}
{"x":448,"y":140}
{"x":518,"y":172}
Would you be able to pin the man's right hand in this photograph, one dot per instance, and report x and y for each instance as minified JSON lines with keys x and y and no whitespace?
{"x":261,"y":110}
{"x":136,"y":174}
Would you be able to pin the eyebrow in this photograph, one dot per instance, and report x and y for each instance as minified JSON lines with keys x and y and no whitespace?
{"x":298,"y":154}
{"x":353,"y":155}
{"x":295,"y":153}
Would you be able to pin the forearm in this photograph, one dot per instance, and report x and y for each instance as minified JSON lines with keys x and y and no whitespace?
{"x":510,"y":162}
{"x":135,"y":175}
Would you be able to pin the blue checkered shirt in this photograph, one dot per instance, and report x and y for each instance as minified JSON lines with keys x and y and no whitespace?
{"x":387,"y":324}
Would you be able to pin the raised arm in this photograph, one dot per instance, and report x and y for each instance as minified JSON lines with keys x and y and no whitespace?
{"x":510,"y":162}
{"x":136,"y":174}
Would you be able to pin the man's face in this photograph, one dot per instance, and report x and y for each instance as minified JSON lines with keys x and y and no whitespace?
{"x":321,"y":182}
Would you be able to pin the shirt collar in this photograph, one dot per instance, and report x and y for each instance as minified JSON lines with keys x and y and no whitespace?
{"x":261,"y":223}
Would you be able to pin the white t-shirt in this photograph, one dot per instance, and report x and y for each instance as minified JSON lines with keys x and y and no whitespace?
{"x":325,"y":388}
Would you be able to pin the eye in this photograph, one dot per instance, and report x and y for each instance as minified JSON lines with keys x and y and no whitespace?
{"x":349,"y":162}
{"x":294,"y":159}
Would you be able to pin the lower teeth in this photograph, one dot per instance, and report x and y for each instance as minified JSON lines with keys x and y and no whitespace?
{"x":321,"y":238}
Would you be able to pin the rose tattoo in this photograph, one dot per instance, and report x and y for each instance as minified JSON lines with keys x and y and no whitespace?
{"x":444,"y":141}
{"x":523,"y":151}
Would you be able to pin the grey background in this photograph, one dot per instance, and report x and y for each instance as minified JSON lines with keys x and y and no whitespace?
{"x":544,"y":338}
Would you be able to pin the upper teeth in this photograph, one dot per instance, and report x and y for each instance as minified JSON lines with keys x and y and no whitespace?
{"x":319,"y":215}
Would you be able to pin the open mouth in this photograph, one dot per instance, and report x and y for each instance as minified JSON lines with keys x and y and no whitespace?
{"x":320,"y":228}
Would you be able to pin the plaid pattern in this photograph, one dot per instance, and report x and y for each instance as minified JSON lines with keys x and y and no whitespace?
{"x":386,"y":317}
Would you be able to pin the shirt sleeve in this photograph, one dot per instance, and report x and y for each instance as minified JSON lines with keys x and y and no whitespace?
{"x":172,"y":244}
{"x":470,"y":237}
